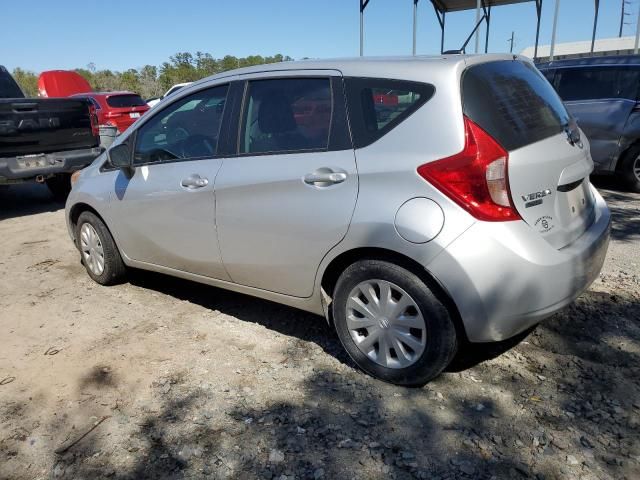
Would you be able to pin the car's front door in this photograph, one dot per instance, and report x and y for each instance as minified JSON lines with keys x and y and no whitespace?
{"x":165,"y":213}
{"x":287,"y":196}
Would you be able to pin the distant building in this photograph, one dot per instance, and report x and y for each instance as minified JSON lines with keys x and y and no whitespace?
{"x":602,"y":47}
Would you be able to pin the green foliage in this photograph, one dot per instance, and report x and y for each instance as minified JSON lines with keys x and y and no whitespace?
{"x":151,"y":81}
{"x":28,"y":81}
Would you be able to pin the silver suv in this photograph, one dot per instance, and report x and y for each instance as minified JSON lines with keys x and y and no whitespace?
{"x":417,"y":203}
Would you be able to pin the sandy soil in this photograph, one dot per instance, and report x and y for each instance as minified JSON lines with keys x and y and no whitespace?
{"x":188,"y":381}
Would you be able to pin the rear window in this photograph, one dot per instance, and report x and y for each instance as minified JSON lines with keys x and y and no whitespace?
{"x":513,"y":102}
{"x":8,"y":87}
{"x":596,"y":83}
{"x":123,"y":101}
{"x":377,"y":105}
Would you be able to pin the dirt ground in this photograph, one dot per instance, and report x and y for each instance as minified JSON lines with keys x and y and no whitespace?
{"x":180,"y":380}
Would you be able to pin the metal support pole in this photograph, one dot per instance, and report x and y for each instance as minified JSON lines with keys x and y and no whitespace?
{"x":363,"y":5}
{"x":441,"y":20}
{"x":635,"y":48}
{"x":511,"y":43}
{"x":444,"y":22}
{"x":486,"y":38}
{"x":595,"y":25}
{"x":415,"y":24}
{"x":473,"y":32}
{"x":624,"y":2}
{"x":477,"y":30}
{"x":539,"y":12}
{"x":553,"y":32}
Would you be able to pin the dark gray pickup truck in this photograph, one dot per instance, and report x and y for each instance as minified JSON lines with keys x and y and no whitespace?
{"x":44,"y":139}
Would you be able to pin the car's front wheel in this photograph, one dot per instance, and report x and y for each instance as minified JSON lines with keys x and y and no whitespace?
{"x":100,"y":255}
{"x":391,"y":323}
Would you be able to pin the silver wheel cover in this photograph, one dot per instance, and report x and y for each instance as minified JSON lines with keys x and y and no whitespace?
{"x":91,"y":248}
{"x":386,"y":324}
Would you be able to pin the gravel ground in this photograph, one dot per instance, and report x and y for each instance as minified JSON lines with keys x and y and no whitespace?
{"x":176,"y":380}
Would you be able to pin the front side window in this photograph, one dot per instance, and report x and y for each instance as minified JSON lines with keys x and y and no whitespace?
{"x":186,"y":129}
{"x":597,"y":83}
{"x":286,"y":115}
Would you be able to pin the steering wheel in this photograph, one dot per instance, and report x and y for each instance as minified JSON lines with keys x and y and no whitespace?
{"x":198,"y":146}
{"x":177,"y":135}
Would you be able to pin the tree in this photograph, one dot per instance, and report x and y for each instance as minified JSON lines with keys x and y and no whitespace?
{"x":149,"y":80}
{"x":28,"y":81}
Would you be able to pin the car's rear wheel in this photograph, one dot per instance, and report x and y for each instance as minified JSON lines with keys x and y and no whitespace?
{"x":391,"y":323}
{"x":630,"y":169}
{"x":59,"y":185}
{"x":99,"y":253}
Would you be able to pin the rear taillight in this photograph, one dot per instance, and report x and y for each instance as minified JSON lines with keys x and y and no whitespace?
{"x":95,"y":130}
{"x":476,"y":178}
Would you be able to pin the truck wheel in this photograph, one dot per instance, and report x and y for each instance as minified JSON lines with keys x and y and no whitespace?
{"x":100,"y":255}
{"x":60,"y":185}
{"x":630,"y":169}
{"x":391,"y":323}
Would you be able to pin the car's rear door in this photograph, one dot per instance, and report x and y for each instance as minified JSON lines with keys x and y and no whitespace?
{"x":600,"y":98}
{"x":164,"y":213}
{"x":287,"y":194}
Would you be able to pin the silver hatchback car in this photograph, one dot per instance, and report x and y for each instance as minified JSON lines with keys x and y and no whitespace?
{"x":417,"y":203}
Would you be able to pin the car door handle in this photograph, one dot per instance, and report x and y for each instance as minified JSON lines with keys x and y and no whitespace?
{"x":329,"y":178}
{"x":194,"y":181}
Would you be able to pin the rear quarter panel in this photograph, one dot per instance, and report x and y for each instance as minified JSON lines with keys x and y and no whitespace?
{"x":388,"y":177}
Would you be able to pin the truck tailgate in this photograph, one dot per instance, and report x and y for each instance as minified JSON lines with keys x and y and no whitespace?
{"x":35,"y":126}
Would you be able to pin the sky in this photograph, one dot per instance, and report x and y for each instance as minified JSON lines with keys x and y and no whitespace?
{"x":41,"y":35}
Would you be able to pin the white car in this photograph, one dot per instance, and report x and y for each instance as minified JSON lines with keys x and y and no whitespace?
{"x":152,"y":102}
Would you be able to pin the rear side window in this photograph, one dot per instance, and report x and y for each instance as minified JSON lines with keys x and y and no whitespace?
{"x":286,"y":115}
{"x":377,"y":105}
{"x":124,"y":101}
{"x":92,"y":101}
{"x":513,"y":102}
{"x":597,"y":83}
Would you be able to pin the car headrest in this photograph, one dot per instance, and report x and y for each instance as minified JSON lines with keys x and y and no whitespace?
{"x":276,"y":115}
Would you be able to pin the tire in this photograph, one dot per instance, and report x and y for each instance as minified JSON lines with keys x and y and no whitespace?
{"x":630,"y":169}
{"x":113,"y":269}
{"x":59,"y":185}
{"x":410,"y":366}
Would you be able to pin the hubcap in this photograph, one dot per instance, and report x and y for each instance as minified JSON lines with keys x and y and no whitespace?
{"x":636,"y":168}
{"x":92,"y":251}
{"x":386,"y":324}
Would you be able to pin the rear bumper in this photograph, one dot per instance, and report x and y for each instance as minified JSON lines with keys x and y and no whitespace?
{"x":504,"y":278}
{"x":13,"y":169}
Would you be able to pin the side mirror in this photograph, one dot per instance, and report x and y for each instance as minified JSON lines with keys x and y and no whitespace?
{"x":120,"y":157}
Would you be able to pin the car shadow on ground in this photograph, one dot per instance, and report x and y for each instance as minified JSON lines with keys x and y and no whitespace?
{"x":279,"y":318}
{"x":293,"y":322}
{"x":26,"y":199}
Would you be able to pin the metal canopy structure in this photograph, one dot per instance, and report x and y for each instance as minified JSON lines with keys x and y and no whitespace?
{"x":442,"y":7}
{"x":483,"y":9}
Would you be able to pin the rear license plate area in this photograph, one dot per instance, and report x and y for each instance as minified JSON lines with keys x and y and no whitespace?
{"x":579,"y":200}
{"x":134,"y":115}
{"x":32,"y":161}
